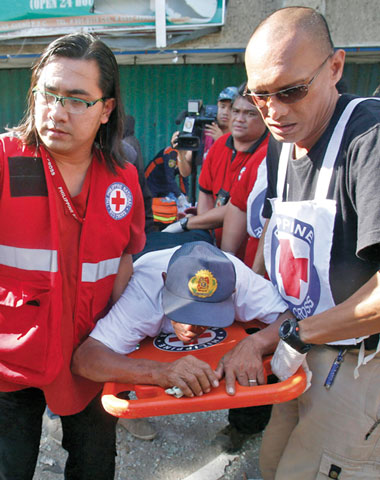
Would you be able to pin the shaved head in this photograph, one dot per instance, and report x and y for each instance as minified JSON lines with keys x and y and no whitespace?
{"x":298,"y":21}
{"x":289,"y":49}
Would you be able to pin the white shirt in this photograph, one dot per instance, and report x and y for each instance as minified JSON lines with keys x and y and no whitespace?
{"x":138,"y":313}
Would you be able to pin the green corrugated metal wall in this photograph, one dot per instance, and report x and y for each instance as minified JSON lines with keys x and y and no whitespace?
{"x":14,"y":85}
{"x":362,"y":78}
{"x":156,"y":94}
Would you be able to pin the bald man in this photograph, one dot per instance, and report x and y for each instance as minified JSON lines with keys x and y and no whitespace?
{"x":321,"y":245}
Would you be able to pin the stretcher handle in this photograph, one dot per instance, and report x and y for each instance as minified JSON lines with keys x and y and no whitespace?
{"x":153,"y":401}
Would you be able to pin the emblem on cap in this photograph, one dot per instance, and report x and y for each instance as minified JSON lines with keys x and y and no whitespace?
{"x":119,"y":200}
{"x":203,"y":284}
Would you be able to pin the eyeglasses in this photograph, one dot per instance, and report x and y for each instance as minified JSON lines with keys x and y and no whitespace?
{"x":70,"y":104}
{"x":287,"y":95}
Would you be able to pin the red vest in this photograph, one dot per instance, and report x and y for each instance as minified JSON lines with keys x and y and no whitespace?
{"x":30,"y":278}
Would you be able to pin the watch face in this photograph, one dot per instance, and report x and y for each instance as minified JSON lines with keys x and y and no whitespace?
{"x":289,"y":333}
{"x":285,"y":328}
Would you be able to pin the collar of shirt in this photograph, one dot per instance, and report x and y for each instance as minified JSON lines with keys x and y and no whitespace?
{"x":252,"y":148}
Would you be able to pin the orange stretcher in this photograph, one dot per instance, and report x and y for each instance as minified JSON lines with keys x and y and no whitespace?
{"x":210,"y":346}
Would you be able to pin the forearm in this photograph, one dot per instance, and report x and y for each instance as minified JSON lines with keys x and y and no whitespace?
{"x":184,"y":161}
{"x":184,"y":157}
{"x":258,"y":263}
{"x":95,"y":361}
{"x":205,"y":202}
{"x":234,"y":228}
{"x":266,"y":339}
{"x":357,"y":316}
{"x":123,"y":275}
{"x":211,"y":219}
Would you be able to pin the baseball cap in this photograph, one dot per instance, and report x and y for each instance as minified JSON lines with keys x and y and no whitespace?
{"x":229,"y":93}
{"x":199,"y":285}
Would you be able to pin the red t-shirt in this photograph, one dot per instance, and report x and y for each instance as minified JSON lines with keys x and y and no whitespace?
{"x":70,"y":393}
{"x":221,"y":170}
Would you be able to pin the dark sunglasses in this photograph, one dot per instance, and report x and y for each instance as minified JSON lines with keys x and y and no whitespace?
{"x":287,"y":95}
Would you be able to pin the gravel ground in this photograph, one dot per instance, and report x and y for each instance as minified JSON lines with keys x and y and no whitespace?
{"x":186,"y":448}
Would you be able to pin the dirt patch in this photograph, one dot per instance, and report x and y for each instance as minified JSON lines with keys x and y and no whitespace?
{"x":187,"y":447}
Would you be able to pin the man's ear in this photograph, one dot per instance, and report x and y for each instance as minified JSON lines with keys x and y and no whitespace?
{"x":337,"y":65}
{"x":108,"y":105}
{"x":164,"y":275}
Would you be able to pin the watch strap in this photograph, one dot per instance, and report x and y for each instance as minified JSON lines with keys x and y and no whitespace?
{"x":289,"y":333}
{"x":183,"y":223}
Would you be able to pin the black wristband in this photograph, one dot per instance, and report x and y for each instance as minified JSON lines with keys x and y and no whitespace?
{"x":183,"y":223}
{"x":289,"y":333}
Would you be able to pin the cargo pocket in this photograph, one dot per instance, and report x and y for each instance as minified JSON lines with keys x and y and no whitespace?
{"x":340,"y":468}
{"x":24,"y":333}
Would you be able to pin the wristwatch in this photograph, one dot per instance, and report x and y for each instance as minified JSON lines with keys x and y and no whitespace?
{"x":183,"y":223}
{"x":290,"y":332}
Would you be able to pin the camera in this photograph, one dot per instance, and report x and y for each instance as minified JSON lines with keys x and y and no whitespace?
{"x":195,"y":118}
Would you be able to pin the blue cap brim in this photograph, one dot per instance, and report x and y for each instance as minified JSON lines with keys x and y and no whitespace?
{"x":205,"y":314}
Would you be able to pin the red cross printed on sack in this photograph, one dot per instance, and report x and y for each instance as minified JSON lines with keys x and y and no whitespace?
{"x":118,"y":200}
{"x":292,"y":270}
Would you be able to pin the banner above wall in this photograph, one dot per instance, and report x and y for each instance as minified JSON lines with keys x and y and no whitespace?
{"x":135,"y":23}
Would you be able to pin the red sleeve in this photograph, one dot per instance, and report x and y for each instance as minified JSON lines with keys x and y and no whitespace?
{"x":206,"y":176}
{"x":242,"y":188}
{"x":2,"y":156}
{"x":137,"y":225}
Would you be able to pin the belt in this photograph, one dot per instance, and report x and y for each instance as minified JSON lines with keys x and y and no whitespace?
{"x":370,"y":343}
{"x":346,"y":347}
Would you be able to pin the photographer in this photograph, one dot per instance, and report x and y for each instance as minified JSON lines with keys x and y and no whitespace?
{"x":227,"y":158}
{"x":216,"y":129}
{"x":210,"y":131}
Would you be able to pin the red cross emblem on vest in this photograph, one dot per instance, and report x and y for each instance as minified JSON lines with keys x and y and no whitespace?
{"x":117,"y":199}
{"x":292,"y":270}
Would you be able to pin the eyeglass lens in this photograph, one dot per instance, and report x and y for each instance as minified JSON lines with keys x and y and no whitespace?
{"x":290,"y":95}
{"x":71,"y":105}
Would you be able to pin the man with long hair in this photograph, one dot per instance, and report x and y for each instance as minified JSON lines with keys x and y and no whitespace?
{"x":72,"y":216}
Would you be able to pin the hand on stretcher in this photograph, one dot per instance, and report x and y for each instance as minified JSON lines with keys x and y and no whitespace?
{"x":211,"y":347}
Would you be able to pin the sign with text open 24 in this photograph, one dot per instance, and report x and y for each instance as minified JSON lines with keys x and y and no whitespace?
{"x":20,"y":18}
